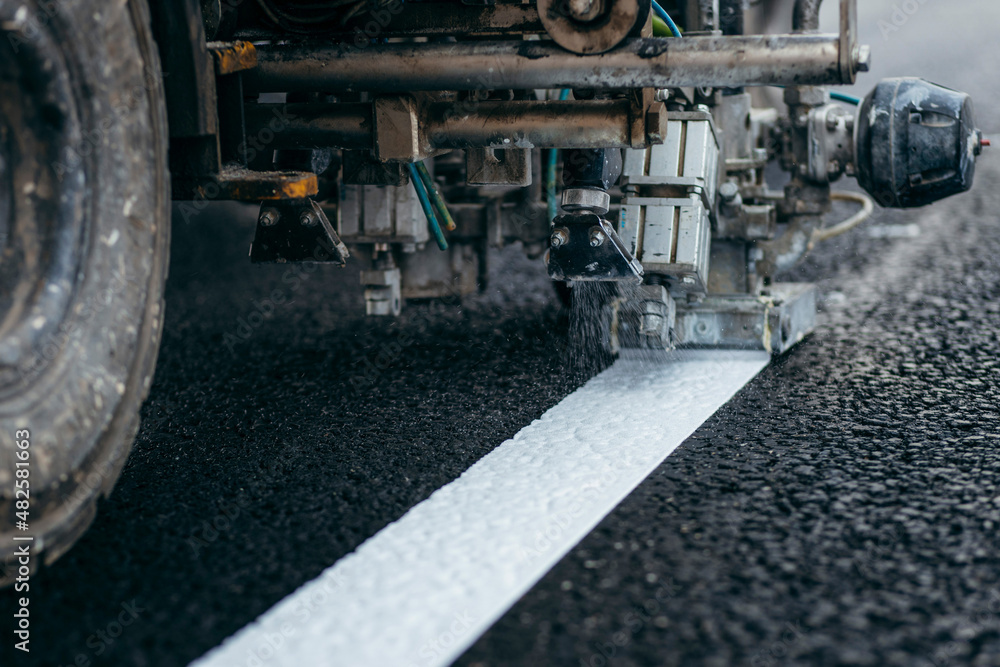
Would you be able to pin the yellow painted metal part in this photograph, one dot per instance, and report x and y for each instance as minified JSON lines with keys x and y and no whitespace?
{"x":233,"y":57}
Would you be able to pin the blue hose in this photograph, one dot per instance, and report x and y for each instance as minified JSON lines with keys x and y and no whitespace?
{"x":665,"y":17}
{"x":842,"y":97}
{"x":834,"y":95}
{"x":425,"y":203}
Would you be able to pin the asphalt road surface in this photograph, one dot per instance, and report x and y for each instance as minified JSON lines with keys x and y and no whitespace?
{"x":841,"y":510}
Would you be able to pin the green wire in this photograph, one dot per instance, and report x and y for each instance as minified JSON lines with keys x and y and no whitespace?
{"x":665,"y":17}
{"x":660,"y":28}
{"x":435,"y":196}
{"x":418,"y":187}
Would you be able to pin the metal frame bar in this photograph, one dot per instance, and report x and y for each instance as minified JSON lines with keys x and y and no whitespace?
{"x":450,"y":125}
{"x":731,"y":61}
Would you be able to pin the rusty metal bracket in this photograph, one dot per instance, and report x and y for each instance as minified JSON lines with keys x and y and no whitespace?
{"x":233,"y":57}
{"x":240,"y":184}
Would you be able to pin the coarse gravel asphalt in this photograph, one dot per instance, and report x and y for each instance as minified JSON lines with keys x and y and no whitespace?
{"x":841,"y":510}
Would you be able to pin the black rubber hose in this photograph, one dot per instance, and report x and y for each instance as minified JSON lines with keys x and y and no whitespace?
{"x":805,"y":17}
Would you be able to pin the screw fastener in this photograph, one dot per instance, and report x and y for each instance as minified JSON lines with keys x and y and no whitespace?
{"x":597,"y":237}
{"x":269,"y":217}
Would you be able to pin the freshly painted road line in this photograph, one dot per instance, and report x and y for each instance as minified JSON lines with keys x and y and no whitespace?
{"x":427,"y":586}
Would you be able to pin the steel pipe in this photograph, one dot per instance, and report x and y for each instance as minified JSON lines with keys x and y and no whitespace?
{"x":303,"y":125}
{"x":734,"y":61}
{"x":448,"y":125}
{"x":495,"y":124}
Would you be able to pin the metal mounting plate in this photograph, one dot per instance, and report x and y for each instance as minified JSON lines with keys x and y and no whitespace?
{"x":296,"y":231}
{"x":577,"y":259}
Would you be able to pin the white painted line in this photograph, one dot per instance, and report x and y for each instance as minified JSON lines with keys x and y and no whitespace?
{"x":426,"y":587}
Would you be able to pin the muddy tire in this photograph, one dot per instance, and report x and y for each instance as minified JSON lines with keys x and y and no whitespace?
{"x":84,"y":236}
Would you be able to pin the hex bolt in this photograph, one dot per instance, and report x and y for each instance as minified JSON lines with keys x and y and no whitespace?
{"x":308,"y":219}
{"x":863,"y":58}
{"x":832,"y":121}
{"x":269,"y":217}
{"x":597,"y":237}
{"x":560,"y":237}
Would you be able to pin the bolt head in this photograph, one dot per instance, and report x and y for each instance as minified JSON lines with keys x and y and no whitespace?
{"x":269,"y":217}
{"x":597,"y":237}
{"x":308,"y":219}
{"x":559,"y":238}
{"x":864,"y":58}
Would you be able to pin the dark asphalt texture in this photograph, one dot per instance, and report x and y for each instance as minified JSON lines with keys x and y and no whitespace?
{"x":263,"y":460}
{"x":841,"y":510}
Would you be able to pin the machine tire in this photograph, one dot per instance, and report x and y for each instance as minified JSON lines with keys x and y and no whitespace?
{"x":84,"y":236}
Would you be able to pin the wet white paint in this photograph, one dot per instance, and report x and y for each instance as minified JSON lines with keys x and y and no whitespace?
{"x":423,"y":589}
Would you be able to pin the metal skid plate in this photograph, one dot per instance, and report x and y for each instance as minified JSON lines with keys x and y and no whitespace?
{"x":575,"y":258}
{"x":773,"y":323}
{"x":296,"y":231}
